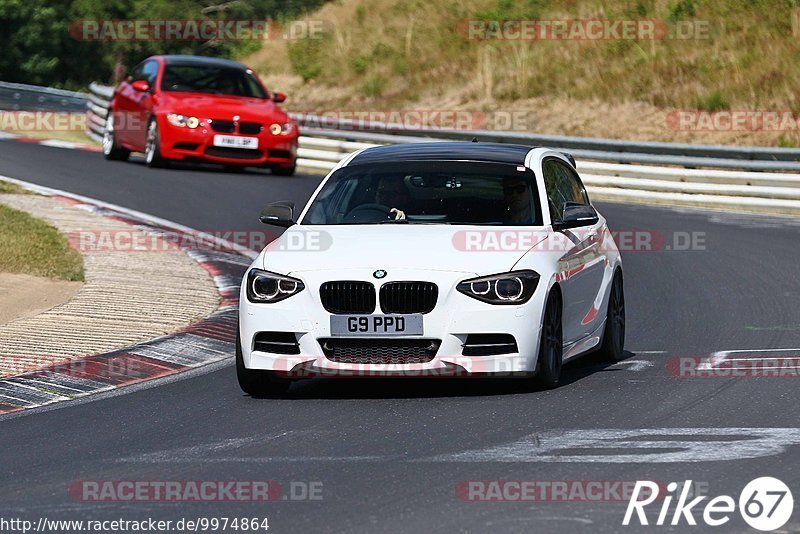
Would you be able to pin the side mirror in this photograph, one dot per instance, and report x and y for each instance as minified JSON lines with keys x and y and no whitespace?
{"x":278,"y":214}
{"x":279,"y":97}
{"x":141,"y":85}
{"x":576,"y":215}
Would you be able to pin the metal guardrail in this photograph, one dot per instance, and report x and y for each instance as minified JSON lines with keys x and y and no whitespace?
{"x":695,"y":175}
{"x":23,"y":97}
{"x":97,"y":110}
{"x":650,"y":153}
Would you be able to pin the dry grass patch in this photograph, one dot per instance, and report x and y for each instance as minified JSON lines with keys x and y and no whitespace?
{"x":383,"y":54}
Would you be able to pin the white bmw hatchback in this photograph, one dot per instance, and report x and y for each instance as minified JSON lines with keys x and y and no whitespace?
{"x":434,"y":259}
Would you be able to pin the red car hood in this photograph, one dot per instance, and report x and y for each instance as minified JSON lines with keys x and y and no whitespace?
{"x":222,"y":107}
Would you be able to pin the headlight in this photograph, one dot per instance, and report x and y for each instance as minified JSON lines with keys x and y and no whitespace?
{"x":287,"y":128}
{"x":267,"y":287}
{"x":515,"y":287}
{"x":182,"y":120}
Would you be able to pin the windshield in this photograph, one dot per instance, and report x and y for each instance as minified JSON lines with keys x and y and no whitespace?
{"x":211,"y":79}
{"x":428,"y":192}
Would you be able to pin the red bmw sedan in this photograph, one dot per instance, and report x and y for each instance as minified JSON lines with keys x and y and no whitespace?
{"x":194,"y":108}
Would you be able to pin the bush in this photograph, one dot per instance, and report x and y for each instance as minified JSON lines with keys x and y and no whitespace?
{"x":360,"y":64}
{"x":305,"y":57}
{"x":713,"y":102}
{"x":374,"y":85}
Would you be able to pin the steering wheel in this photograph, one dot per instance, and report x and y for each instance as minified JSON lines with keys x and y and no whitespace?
{"x":367,"y":213}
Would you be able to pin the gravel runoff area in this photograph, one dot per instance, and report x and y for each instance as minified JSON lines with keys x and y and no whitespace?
{"x":129,"y":295}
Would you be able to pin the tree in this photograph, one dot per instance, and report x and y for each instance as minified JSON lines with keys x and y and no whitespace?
{"x":44,"y":43}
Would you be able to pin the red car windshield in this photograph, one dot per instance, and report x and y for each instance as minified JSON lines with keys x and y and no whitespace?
{"x":211,"y":79}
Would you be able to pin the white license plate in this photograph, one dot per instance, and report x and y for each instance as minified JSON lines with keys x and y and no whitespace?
{"x":234,"y":141}
{"x":376,"y":325}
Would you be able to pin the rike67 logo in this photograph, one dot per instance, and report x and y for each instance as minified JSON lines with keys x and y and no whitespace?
{"x":765,"y":504}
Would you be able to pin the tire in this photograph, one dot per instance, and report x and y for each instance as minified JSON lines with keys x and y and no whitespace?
{"x":284,"y":171}
{"x":110,"y":149}
{"x":551,"y":344}
{"x":613,"y":347}
{"x":255,"y":382}
{"x":152,"y":147}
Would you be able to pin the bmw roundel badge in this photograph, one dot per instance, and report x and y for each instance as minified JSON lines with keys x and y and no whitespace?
{"x":380,"y":273}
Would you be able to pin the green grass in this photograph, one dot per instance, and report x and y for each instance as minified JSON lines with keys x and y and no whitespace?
{"x":31,"y":246}
{"x":8,"y":187}
{"x":713,"y":102}
{"x":785,"y":141}
{"x":374,"y":85}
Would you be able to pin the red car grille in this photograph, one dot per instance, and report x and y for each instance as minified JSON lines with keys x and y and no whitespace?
{"x":249,"y":128}
{"x":233,"y":153}
{"x":246,"y":128}
{"x":222,"y":126}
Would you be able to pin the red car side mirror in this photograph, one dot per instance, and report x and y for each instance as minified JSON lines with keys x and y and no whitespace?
{"x":278,"y":97}
{"x":141,"y":85}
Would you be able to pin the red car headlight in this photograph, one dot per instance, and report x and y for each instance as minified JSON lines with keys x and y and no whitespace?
{"x":182,"y":120}
{"x":287,"y":128}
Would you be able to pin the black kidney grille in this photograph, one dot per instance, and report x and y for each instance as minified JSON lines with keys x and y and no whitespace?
{"x":348,"y":296}
{"x":379,"y":351}
{"x":251,"y":128}
{"x":222,"y":126}
{"x":408,"y":297}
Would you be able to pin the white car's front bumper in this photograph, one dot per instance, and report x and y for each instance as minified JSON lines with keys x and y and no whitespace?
{"x":454,"y":317}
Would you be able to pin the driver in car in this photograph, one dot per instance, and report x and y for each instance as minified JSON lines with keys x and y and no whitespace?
{"x":518,"y":201}
{"x":393,"y":192}
{"x":226,"y":86}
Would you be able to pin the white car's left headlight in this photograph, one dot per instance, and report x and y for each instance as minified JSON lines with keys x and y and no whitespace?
{"x":267,"y":287}
{"x":515,"y":287}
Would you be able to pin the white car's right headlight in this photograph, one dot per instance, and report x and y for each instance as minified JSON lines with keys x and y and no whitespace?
{"x":515,"y":287}
{"x":266,"y":287}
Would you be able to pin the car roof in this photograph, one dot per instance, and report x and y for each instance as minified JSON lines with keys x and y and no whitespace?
{"x":445,"y":151}
{"x":175,"y":59}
